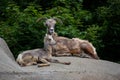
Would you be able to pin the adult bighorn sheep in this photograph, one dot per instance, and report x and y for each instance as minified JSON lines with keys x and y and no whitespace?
{"x":50,"y":23}
{"x":75,"y":47}
{"x":65,"y":46}
{"x":41,"y":57}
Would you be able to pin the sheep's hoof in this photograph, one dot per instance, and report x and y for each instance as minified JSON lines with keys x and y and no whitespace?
{"x":34,"y":63}
{"x":42,"y":65}
{"x":67,"y":63}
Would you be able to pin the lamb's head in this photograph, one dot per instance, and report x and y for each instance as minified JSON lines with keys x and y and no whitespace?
{"x":48,"y":40}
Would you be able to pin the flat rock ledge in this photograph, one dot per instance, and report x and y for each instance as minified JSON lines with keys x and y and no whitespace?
{"x":80,"y":68}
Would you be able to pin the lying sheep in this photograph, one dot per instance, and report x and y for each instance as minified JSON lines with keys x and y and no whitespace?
{"x":40,"y":57}
{"x":75,"y":46}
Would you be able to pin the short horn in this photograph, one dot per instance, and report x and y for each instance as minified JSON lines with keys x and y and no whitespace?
{"x":58,"y":20}
{"x":40,"y":19}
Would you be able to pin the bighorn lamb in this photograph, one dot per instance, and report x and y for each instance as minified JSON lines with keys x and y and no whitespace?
{"x":40,"y":57}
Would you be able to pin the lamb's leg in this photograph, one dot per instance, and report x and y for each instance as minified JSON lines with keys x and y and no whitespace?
{"x":57,"y":61}
{"x":43,"y":63}
{"x":31,"y":63}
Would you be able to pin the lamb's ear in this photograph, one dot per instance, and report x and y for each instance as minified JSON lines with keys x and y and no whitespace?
{"x":41,"y":19}
{"x":45,"y":34}
{"x":55,"y":34}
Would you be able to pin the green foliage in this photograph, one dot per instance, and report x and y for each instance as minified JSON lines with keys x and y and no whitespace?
{"x":21,"y":28}
{"x":68,"y":31}
{"x":109,"y":18}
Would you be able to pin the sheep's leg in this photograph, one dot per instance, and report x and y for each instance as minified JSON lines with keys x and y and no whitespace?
{"x":91,"y":53}
{"x":84,"y":55}
{"x":60,"y":54}
{"x":77,"y":55}
{"x":88,"y":49}
{"x":44,"y":63}
{"x":27,"y":60}
{"x":31,"y":63}
{"x":57,"y":61}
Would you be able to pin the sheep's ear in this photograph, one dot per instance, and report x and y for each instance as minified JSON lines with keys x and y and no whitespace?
{"x":46,"y":35}
{"x":55,"y":34}
{"x":40,"y":19}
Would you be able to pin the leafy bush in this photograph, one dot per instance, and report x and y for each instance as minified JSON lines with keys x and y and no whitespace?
{"x":21,"y":30}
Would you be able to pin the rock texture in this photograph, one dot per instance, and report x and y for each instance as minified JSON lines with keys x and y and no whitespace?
{"x":80,"y":69}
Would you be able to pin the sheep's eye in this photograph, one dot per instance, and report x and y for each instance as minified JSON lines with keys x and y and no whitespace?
{"x":49,"y":39}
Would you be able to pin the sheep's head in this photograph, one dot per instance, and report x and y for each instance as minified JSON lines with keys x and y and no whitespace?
{"x":50,"y":23}
{"x":48,"y":40}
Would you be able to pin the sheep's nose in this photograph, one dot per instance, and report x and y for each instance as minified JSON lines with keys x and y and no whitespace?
{"x":51,"y":30}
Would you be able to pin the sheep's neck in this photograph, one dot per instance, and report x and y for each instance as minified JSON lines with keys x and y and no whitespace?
{"x":48,"y":48}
